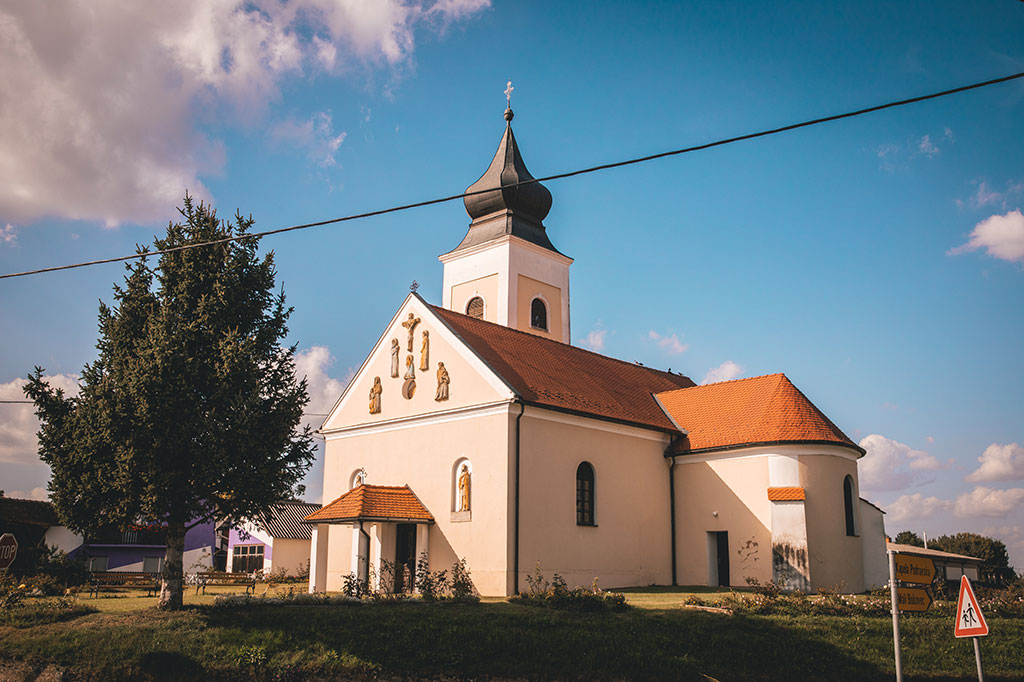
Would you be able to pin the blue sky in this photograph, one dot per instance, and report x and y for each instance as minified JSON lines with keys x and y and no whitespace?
{"x":835,"y":254}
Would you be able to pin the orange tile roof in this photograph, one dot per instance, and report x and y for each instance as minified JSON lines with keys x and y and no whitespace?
{"x":791,"y":493}
{"x":373,"y":502}
{"x":765,"y":409}
{"x":556,"y":375}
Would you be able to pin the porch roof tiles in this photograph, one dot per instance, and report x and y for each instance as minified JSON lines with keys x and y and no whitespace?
{"x":373,"y":503}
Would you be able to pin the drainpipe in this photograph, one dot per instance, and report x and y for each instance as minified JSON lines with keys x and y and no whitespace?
{"x":515,"y":553}
{"x":672,"y":512}
{"x":365,"y":559}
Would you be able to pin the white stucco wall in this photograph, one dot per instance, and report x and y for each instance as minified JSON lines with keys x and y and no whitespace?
{"x":872,"y":535}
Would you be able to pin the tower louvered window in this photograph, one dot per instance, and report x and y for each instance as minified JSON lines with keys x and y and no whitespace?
{"x":538,"y":315}
{"x":475,"y":308}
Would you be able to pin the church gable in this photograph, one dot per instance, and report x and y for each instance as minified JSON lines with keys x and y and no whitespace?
{"x":418,"y":366}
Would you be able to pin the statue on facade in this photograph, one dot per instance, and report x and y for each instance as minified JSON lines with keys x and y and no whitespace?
{"x":375,"y":392}
{"x":442,"y":383}
{"x":425,"y":352}
{"x":394,"y":358}
{"x":410,"y":324}
{"x":410,"y":368}
{"x":464,"y":489}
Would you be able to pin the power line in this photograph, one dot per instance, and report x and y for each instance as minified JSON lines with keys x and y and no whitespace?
{"x":30,"y":402}
{"x":558,"y":176}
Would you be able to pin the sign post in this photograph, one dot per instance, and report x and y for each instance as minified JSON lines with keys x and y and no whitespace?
{"x":907,"y":568}
{"x":895,"y":617}
{"x":970,"y":622}
{"x":8,"y":550}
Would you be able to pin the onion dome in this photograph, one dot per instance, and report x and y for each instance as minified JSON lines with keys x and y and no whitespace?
{"x":517,"y":204}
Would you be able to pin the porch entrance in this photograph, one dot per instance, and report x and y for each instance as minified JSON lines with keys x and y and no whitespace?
{"x":405,"y":557}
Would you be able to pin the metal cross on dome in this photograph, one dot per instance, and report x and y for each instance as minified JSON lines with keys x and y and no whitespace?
{"x":508,"y":93}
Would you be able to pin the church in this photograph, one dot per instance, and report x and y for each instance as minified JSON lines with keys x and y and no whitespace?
{"x":475,"y":430}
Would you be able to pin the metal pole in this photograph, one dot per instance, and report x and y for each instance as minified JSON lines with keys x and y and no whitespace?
{"x":977,"y":657}
{"x":895,"y":617}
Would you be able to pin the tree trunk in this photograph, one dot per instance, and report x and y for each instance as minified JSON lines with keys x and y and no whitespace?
{"x":172,"y":586}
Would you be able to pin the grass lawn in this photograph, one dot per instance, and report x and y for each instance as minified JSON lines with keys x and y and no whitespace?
{"x":657,"y":639}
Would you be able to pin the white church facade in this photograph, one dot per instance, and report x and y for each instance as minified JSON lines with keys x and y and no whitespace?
{"x":475,"y":430}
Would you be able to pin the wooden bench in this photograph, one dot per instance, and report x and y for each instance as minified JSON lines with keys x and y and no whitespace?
{"x":123,"y":579}
{"x":214,"y":578}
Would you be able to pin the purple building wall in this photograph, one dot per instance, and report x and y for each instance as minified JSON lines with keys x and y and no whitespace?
{"x":123,"y":556}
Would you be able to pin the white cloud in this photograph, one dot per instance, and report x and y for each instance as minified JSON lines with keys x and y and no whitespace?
{"x":315,"y":135}
{"x":947,"y":134}
{"x":724,"y":372}
{"x":18,"y":443}
{"x":8,"y":235}
{"x":891,"y":465}
{"x":983,"y":501}
{"x":34,"y":494}
{"x":926,"y":147}
{"x":594,"y":340}
{"x":916,"y":506}
{"x":1002,"y":236}
{"x":104,"y":102}
{"x":670,"y":344}
{"x":999,"y":463}
{"x":324,"y":390}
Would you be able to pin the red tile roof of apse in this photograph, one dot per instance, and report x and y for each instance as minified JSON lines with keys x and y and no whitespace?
{"x":373,"y":502}
{"x":765,"y":409}
{"x":793,"y":493}
{"x":545,"y":372}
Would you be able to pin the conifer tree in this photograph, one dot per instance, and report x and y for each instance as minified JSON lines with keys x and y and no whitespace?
{"x":190,"y":412}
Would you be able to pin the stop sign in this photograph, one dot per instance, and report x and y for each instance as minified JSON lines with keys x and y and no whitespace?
{"x":8,"y":550}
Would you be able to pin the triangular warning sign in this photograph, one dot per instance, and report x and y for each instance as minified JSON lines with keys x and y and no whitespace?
{"x":969,"y":621}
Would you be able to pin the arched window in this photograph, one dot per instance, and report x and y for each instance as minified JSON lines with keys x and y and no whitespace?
{"x":475,"y":308}
{"x":538,"y":315}
{"x":851,"y":528}
{"x":585,"y":494}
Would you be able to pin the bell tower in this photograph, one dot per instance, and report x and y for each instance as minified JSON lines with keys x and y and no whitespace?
{"x":506,"y":270}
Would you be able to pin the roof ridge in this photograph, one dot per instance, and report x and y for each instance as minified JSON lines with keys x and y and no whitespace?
{"x":567,"y":345}
{"x":729,"y":381}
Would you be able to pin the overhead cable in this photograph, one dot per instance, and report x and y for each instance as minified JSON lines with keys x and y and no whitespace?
{"x":557,"y":176}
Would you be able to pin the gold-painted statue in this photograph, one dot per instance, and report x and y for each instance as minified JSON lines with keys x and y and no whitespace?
{"x":394,"y":358}
{"x":425,"y":352}
{"x":410,"y":324}
{"x":410,"y":368}
{"x":375,"y":392}
{"x":464,"y":489}
{"x":442,"y":383}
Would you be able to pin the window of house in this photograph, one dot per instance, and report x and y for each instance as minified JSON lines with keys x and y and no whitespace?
{"x":152,"y":564}
{"x":538,"y":315}
{"x":584,"y":494}
{"x":247,"y":558}
{"x":851,"y":528}
{"x":97,"y":563}
{"x":475,"y":308}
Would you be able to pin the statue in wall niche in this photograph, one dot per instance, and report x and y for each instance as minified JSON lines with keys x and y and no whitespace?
{"x":394,"y":358}
{"x":464,"y":489}
{"x":375,"y":392}
{"x":410,"y":324}
{"x":442,"y":383}
{"x":425,"y":352}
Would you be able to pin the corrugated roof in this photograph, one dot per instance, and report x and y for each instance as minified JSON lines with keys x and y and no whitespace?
{"x":553,"y":374}
{"x":373,"y":502}
{"x":284,"y":520}
{"x":28,"y":512}
{"x":765,"y":409}
{"x":792,"y":493}
{"x":921,"y":551}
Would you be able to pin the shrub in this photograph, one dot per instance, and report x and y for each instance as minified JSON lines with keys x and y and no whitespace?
{"x":432,"y":585}
{"x":557,"y":594}
{"x":251,"y":656}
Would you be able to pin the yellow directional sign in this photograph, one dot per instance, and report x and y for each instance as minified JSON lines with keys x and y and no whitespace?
{"x":914,"y":569}
{"x":913,"y":598}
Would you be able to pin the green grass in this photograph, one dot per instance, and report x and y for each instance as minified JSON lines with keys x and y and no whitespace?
{"x":659,"y":639}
